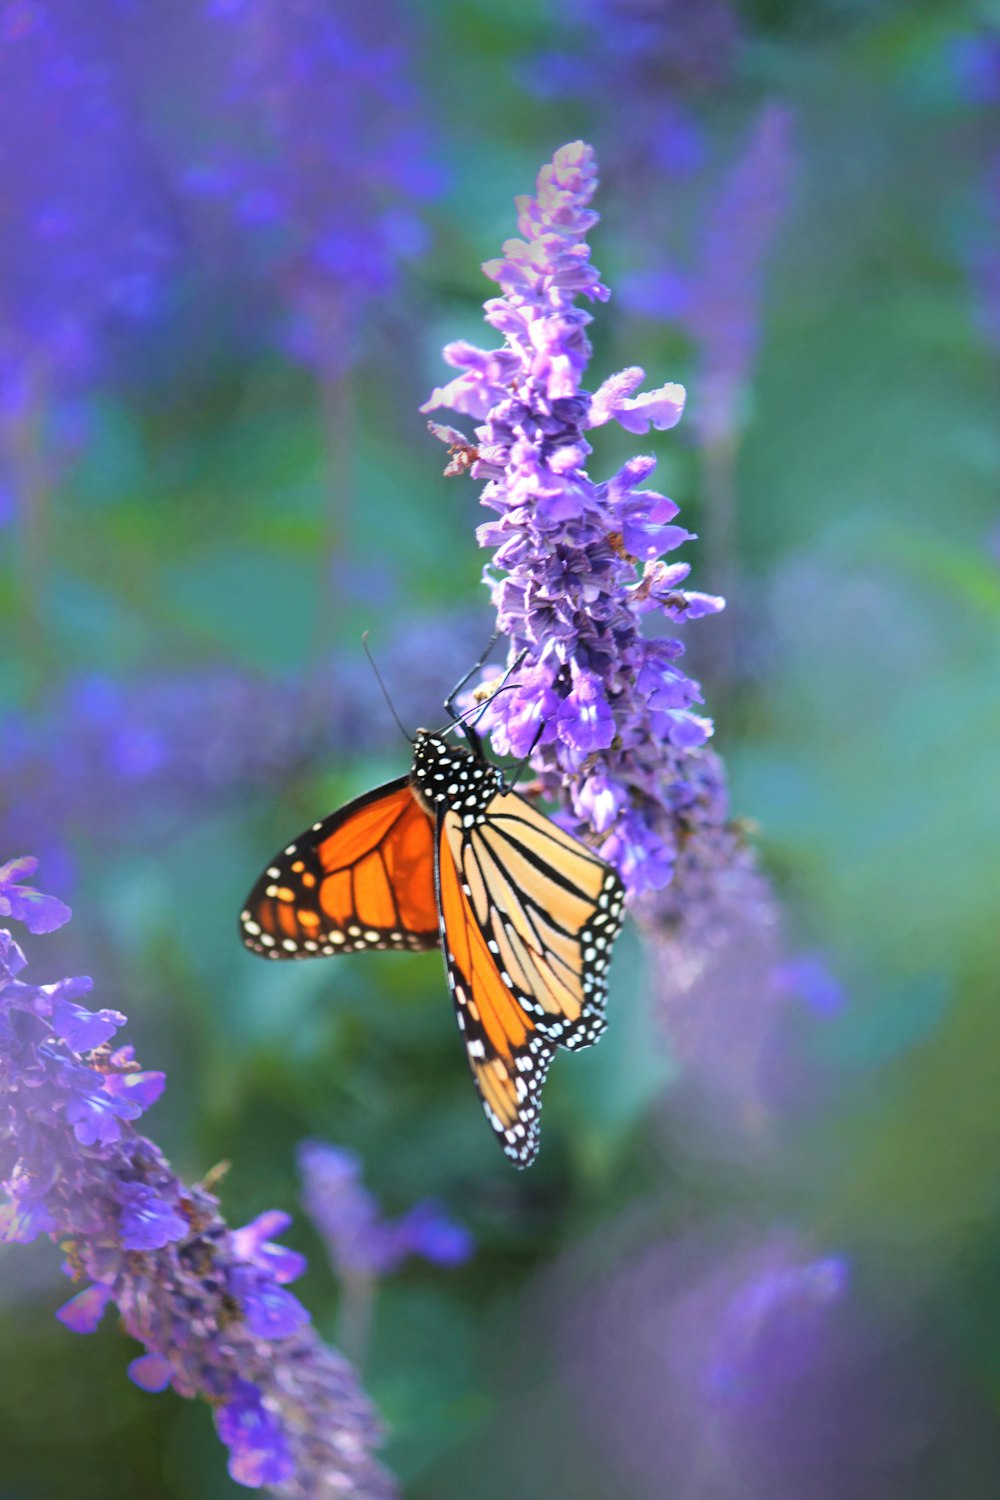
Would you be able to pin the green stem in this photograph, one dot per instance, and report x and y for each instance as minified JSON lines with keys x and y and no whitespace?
{"x":354,"y":1321}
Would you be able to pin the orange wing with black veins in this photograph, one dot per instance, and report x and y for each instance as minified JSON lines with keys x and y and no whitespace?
{"x":362,"y":878}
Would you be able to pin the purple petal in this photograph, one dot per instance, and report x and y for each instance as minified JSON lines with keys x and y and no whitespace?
{"x":147,"y":1221}
{"x":258,"y":1448}
{"x":82,"y":1029}
{"x":585,"y":719}
{"x":84,"y":1312}
{"x":138,"y":1090}
{"x":662,"y":409}
{"x":151,"y":1372}
{"x":248,"y":1240}
{"x":38,"y":913}
{"x":269,"y":1311}
{"x":23,"y":1220}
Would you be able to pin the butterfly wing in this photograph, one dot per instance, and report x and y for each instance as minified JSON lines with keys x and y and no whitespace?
{"x":548,"y":911}
{"x":508,"y":1055}
{"x":361,"y":878}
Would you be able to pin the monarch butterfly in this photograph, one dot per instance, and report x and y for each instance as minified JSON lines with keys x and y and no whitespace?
{"x":449,"y":854}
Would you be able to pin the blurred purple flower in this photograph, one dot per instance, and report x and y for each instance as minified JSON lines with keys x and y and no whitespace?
{"x":357,"y":1239}
{"x":315,"y":145}
{"x":19,"y":901}
{"x":208,"y":1303}
{"x":660,"y":55}
{"x":975,"y":64}
{"x":696,"y":1360}
{"x":612,"y":710}
{"x":133,"y":759}
{"x":723,"y":310}
{"x":806,"y":977}
{"x":983,"y":256}
{"x":87,"y":236}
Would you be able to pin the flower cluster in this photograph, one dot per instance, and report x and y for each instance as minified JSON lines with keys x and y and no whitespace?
{"x":607,"y":712}
{"x":700,"y":1358}
{"x":724,"y":287}
{"x":135,"y":758}
{"x":661,"y":57}
{"x":209,"y":1304}
{"x":86,"y":236}
{"x":984,"y":259}
{"x":316,"y":150}
{"x":358,"y":1240}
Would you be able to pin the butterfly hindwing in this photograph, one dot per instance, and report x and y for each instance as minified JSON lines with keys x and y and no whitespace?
{"x":508,"y":1056}
{"x":361,"y":878}
{"x":548,"y":910}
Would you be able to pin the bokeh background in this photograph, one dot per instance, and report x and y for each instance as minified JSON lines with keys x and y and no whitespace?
{"x":758,"y":1256}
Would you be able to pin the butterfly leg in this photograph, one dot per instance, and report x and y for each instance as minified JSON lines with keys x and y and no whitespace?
{"x":510,"y":782}
{"x":449,"y":702}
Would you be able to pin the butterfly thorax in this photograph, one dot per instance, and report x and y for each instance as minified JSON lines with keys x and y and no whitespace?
{"x":445,"y":775}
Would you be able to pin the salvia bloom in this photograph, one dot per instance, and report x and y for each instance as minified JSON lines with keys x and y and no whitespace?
{"x":86,"y":236}
{"x":316,"y":148}
{"x":209,"y":1304}
{"x":660,"y":55}
{"x":984,"y":258}
{"x":357,"y":1238}
{"x":134,"y":759}
{"x":712,"y":1362}
{"x":609,"y":714}
{"x":725,"y":290}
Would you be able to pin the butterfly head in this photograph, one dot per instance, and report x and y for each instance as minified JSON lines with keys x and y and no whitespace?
{"x":448,"y":774}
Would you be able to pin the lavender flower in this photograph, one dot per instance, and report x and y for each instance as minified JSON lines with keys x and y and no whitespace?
{"x":711,"y":1363}
{"x":983,"y":256}
{"x":208,"y":1303}
{"x":660,"y":55}
{"x":608,"y":712}
{"x":136,"y":758}
{"x":358,"y":1240}
{"x":724,"y":294}
{"x":316,"y":148}
{"x":87,"y":239}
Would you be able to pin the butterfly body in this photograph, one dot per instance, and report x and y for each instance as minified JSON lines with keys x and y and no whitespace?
{"x":525,"y":914}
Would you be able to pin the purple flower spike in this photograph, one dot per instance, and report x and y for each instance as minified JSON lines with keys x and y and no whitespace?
{"x":576,"y":562}
{"x":358,"y":1240}
{"x":207,"y":1303}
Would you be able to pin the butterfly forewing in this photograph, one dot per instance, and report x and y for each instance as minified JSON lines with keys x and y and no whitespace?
{"x":361,"y":878}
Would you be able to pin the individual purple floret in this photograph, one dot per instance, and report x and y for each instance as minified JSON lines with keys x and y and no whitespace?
{"x":209,"y":1304}
{"x":608,"y":711}
{"x":357,"y":1239}
{"x":24,"y":904}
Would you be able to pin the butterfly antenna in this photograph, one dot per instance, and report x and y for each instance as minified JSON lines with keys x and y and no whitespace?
{"x":385,"y":691}
{"x":479,"y":709}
